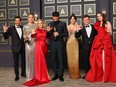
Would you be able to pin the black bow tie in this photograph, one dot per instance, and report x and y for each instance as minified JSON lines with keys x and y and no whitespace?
{"x":18,"y":27}
{"x":87,"y":26}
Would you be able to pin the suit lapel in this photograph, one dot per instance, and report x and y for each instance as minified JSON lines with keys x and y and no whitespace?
{"x":22,"y":31}
{"x":92,"y":31}
{"x":16,"y":32}
{"x":85,"y":32}
{"x":59,"y":24}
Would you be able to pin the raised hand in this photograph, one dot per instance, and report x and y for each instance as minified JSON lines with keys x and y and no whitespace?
{"x":5,"y":28}
{"x":69,"y":30}
{"x":33,"y":31}
{"x":48,"y":28}
{"x":79,"y":27}
{"x":101,"y":23}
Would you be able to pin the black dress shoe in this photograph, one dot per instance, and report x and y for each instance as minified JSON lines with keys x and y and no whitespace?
{"x":23,"y":75}
{"x":61,"y":79}
{"x":55,"y":77}
{"x":16,"y":78}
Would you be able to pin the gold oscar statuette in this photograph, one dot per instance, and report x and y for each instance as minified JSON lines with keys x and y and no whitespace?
{"x":54,"y":29}
{"x":55,"y":38}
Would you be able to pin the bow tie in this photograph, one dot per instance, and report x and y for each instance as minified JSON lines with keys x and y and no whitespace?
{"x":18,"y":27}
{"x":87,"y":26}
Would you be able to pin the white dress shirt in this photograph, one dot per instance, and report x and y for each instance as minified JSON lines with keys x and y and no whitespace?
{"x":19,"y":31}
{"x":88,"y":30}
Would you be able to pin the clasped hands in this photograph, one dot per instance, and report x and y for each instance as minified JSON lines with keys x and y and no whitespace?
{"x":56,"y":34}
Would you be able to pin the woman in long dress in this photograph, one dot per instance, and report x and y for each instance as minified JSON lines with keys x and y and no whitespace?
{"x":102,"y":57}
{"x":41,"y":75}
{"x":73,"y":49}
{"x":29,"y":46}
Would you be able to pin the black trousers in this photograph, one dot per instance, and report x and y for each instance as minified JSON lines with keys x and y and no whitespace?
{"x":16,"y":62}
{"x":86,"y":56}
{"x":57,"y":53}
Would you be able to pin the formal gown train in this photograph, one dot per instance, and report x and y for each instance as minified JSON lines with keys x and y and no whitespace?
{"x":41,"y":75}
{"x":102,"y":58}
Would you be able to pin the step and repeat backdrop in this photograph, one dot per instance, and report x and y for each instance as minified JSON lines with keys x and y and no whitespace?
{"x":8,"y":10}
{"x":113,"y":20}
{"x":67,"y":7}
{"x":44,"y":8}
{"x":79,"y":8}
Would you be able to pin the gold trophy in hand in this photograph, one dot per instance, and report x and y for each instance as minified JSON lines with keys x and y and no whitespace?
{"x":55,"y":38}
{"x":26,"y":37}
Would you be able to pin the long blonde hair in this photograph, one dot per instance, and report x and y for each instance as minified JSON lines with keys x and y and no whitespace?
{"x":43,"y":23}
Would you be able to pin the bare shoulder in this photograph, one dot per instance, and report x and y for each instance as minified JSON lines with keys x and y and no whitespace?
{"x":108,"y":23}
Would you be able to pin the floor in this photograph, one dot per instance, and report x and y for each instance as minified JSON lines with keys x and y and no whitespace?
{"x":7,"y":80}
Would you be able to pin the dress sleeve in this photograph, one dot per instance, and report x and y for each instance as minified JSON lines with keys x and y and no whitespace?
{"x":97,"y":25}
{"x":34,"y":35}
{"x":7,"y":33}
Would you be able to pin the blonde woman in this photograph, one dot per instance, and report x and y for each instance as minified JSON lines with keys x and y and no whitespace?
{"x":29,"y":46}
{"x":41,"y":73}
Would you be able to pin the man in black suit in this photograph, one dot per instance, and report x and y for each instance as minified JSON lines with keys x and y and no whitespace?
{"x":18,"y":46}
{"x":57,"y":31}
{"x":88,"y":33}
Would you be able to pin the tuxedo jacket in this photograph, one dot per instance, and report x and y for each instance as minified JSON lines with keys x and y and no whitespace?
{"x":61,"y":29}
{"x":17,"y":42}
{"x":86,"y":41}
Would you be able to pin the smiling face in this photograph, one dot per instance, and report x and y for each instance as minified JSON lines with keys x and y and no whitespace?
{"x":72,"y":20}
{"x":40,"y":24}
{"x":30,"y":18}
{"x":17,"y":21}
{"x":99,"y":17}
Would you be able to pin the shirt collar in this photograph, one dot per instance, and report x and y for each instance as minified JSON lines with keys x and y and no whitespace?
{"x":17,"y":26}
{"x":87,"y":25}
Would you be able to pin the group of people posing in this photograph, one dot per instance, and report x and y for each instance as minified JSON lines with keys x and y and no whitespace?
{"x":30,"y":42}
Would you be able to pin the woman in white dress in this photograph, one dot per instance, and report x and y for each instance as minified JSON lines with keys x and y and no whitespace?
{"x":29,"y":46}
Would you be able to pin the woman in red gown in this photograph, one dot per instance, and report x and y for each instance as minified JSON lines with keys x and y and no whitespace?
{"x":102,"y":57}
{"x":41,"y":75}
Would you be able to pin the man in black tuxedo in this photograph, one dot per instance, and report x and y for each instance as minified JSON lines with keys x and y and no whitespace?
{"x":18,"y":46}
{"x":57,"y":30}
{"x":88,"y":33}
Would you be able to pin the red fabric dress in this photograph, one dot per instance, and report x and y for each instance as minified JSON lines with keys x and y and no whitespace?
{"x":41,"y":73}
{"x":102,"y":42}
